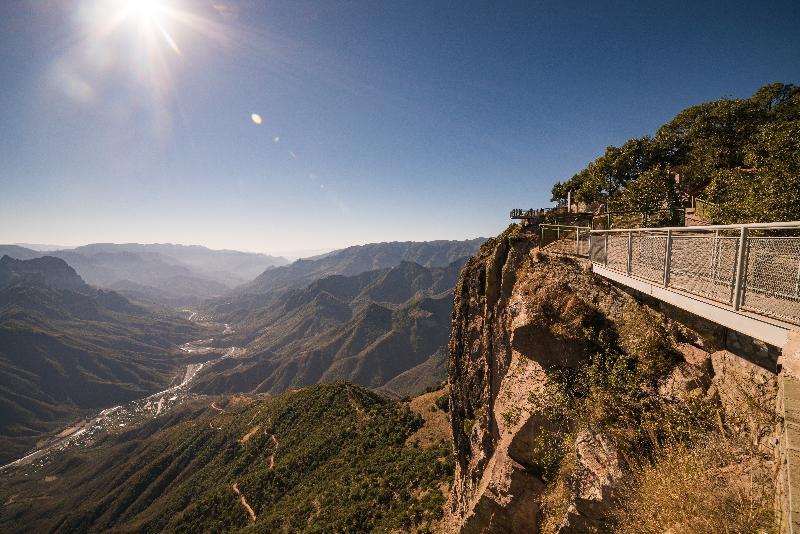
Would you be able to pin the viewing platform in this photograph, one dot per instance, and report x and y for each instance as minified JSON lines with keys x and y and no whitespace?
{"x":744,"y":277}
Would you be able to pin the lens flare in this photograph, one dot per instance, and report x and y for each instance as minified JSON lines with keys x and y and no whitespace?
{"x":256,"y":118}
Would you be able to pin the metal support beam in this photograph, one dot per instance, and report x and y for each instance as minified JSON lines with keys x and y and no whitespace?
{"x":741,"y":265}
{"x":667,"y":257}
{"x":630,"y":252}
{"x":797,"y":281}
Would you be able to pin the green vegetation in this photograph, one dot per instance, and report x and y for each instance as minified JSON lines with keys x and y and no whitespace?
{"x":443,"y":402}
{"x":337,"y":463}
{"x":665,"y":445}
{"x":742,"y":155}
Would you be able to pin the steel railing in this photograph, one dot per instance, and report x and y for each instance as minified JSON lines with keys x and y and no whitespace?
{"x":749,"y":267}
{"x":565,"y":238}
{"x":537,"y":212}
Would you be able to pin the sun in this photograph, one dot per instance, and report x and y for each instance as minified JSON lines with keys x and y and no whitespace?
{"x":151,"y":16}
{"x":147,"y":12}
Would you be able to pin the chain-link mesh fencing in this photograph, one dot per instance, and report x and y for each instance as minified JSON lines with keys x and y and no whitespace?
{"x":706,"y":263}
{"x":573,"y":240}
{"x":773,"y":277}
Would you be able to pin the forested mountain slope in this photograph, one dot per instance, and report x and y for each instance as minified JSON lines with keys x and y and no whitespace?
{"x":329,"y":458}
{"x":368,"y":328}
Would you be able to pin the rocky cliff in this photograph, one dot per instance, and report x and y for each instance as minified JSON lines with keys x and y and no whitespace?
{"x":565,"y":390}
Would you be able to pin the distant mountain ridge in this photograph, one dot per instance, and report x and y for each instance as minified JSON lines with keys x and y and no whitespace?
{"x":175,"y":275}
{"x":361,"y":258}
{"x":47,"y":270}
{"x":349,"y":261}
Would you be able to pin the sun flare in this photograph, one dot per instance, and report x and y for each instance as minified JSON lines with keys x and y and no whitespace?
{"x":151,"y":16}
{"x":145,"y":11}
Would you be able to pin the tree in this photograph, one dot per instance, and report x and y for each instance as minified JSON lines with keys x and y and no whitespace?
{"x":739,"y":153}
{"x":654,"y":190}
{"x":770,"y":189}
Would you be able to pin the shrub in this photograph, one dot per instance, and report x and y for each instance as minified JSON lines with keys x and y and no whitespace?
{"x":643,"y":335}
{"x":443,"y":402}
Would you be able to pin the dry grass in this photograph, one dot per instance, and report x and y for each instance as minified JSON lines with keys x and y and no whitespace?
{"x":720,"y":485}
{"x":436,"y":427}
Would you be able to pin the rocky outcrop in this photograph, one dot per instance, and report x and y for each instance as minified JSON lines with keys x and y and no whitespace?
{"x":516,"y":314}
{"x":50,"y":271}
{"x":519,"y":314}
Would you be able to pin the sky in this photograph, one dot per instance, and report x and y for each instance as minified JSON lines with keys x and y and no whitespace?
{"x":294,"y":125}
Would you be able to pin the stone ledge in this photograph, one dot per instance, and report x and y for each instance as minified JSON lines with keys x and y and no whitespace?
{"x":789,"y":409}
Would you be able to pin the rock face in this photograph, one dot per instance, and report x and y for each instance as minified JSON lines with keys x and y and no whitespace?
{"x":517,"y":314}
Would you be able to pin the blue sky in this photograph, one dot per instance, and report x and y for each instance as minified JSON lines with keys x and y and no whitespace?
{"x":381,"y":121}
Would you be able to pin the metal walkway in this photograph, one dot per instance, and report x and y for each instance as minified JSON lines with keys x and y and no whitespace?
{"x":744,"y":277}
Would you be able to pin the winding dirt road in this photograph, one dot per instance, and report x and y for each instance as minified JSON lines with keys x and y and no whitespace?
{"x":250,"y":511}
{"x":274,"y":450}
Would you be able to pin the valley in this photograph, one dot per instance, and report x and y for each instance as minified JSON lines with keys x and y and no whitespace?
{"x":384,"y":328}
{"x":110,"y":420}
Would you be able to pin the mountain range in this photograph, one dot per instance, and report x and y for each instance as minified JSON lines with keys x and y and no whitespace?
{"x":369,"y":328}
{"x":173,"y":275}
{"x":69,"y":349}
{"x":350,"y":261}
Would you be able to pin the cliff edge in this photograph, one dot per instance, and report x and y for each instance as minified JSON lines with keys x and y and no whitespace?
{"x":571,"y":401}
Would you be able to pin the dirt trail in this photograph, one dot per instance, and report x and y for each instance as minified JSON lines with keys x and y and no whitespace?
{"x":249,"y":435}
{"x":317,"y":511}
{"x":274,"y":450}
{"x":360,"y":413}
{"x":254,"y":417}
{"x":250,"y":511}
{"x":214,"y":405}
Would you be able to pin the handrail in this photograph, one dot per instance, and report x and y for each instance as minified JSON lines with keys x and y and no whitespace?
{"x":551,"y":225}
{"x":581,"y":235}
{"x":772,"y":226}
{"x":533,"y":212}
{"x":753,"y":273}
{"x":520,"y":213}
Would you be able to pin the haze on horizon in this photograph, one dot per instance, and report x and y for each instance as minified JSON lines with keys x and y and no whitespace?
{"x":307,"y":125}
